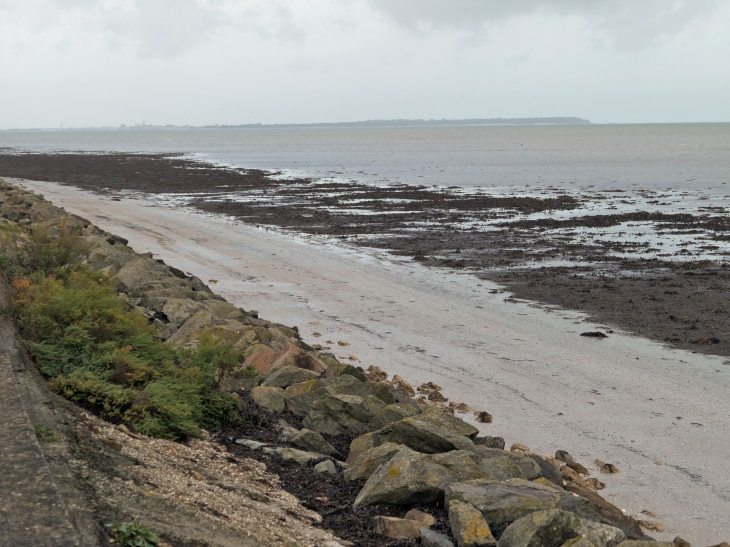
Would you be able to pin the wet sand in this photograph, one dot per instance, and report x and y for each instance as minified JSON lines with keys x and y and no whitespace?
{"x":659,"y":414}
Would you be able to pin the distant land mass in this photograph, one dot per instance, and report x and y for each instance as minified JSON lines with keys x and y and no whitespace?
{"x":366,"y":123}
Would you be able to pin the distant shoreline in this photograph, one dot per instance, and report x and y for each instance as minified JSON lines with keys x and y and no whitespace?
{"x":362,"y":124}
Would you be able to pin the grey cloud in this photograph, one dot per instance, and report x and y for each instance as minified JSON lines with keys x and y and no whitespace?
{"x":632,"y":24}
{"x":159,"y":28}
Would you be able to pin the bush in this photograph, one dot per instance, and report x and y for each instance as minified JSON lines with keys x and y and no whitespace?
{"x":39,"y":251}
{"x":131,"y":534}
{"x":107,"y":358}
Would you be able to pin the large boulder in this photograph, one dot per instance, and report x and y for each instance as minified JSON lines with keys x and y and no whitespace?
{"x":188,"y":333}
{"x":436,"y":416}
{"x":142,"y":271}
{"x":391,"y":414}
{"x":529,"y":466}
{"x":294,"y":356}
{"x":269,"y":397}
{"x":422,"y":436}
{"x":179,"y":310}
{"x":396,"y":528}
{"x":263,"y":360}
{"x":504,"y":501}
{"x":335,"y":368}
{"x":338,"y":414}
{"x":550,"y":528}
{"x":370,"y":461}
{"x":469,"y":527}
{"x":286,"y":376}
{"x":300,"y":397}
{"x":293,"y":457}
{"x":409,"y":477}
{"x":314,"y":442}
{"x":609,"y":513}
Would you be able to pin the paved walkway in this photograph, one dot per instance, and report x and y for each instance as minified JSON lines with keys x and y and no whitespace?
{"x":31,"y":511}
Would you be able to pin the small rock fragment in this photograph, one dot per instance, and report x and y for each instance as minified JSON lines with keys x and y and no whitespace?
{"x":396,"y":528}
{"x":484,"y":417}
{"x":197,"y":476}
{"x":578,"y":468}
{"x":520,"y":447}
{"x":468,"y":526}
{"x":429,"y":538}
{"x":341,"y":343}
{"x":679,"y":542}
{"x":425,"y":519}
{"x":609,"y":468}
{"x":326,"y":466}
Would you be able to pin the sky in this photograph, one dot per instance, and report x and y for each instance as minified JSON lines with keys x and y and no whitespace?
{"x":81,"y":63}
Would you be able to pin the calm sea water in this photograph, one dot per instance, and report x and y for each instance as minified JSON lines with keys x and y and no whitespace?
{"x":656,"y":157}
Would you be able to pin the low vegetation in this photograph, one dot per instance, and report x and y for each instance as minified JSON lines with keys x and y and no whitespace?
{"x":98,"y":352}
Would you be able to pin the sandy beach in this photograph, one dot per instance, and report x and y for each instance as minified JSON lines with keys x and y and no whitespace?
{"x":659,"y":414}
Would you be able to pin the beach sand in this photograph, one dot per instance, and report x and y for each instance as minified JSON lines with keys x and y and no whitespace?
{"x":659,"y":414}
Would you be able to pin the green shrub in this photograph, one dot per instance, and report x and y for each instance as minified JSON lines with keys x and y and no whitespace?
{"x":131,"y":534}
{"x":39,"y":251}
{"x":107,"y":358}
{"x":45,"y":434}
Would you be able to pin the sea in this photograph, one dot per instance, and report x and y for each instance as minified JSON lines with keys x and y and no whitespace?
{"x":610,"y":169}
{"x":655,"y":157}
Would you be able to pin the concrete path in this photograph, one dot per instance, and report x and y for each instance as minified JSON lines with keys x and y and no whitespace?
{"x":31,"y":511}
{"x":660,"y":415}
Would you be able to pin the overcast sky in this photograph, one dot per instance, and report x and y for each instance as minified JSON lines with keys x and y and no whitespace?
{"x":112,"y":62}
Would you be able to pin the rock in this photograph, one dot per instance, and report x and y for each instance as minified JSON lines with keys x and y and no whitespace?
{"x":549,"y":528}
{"x":469,"y":466}
{"x":424,"y":437}
{"x":408,"y":477}
{"x":609,"y":468}
{"x":419,"y":516}
{"x":396,"y":528}
{"x":300,"y":397}
{"x":723,"y":544}
{"x":296,"y":357}
{"x":262,"y":360}
{"x":248,"y":443}
{"x":529,"y":467}
{"x":563,"y":456}
{"x":579,"y":542}
{"x":337,"y":414}
{"x":402,"y":385}
{"x":286,"y":376}
{"x":519,"y":447}
{"x":269,"y":397}
{"x":601,"y":534}
{"x":429,"y":538}
{"x":188,"y":333}
{"x":490,"y":442}
{"x":287,"y":434}
{"x":484,"y":418}
{"x":468,"y":526}
{"x":609,"y":513}
{"x":297,"y":458}
{"x":634,"y":543}
{"x":501,"y":502}
{"x":326,"y":466}
{"x":335,"y":368}
{"x":142,"y":271}
{"x":578,"y":468}
{"x":579,"y":505}
{"x":369,"y":461}
{"x":679,"y":542}
{"x":594,"y":484}
{"x":391,"y":414}
{"x":448,"y":421}
{"x":314,"y":442}
{"x":548,"y":470}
